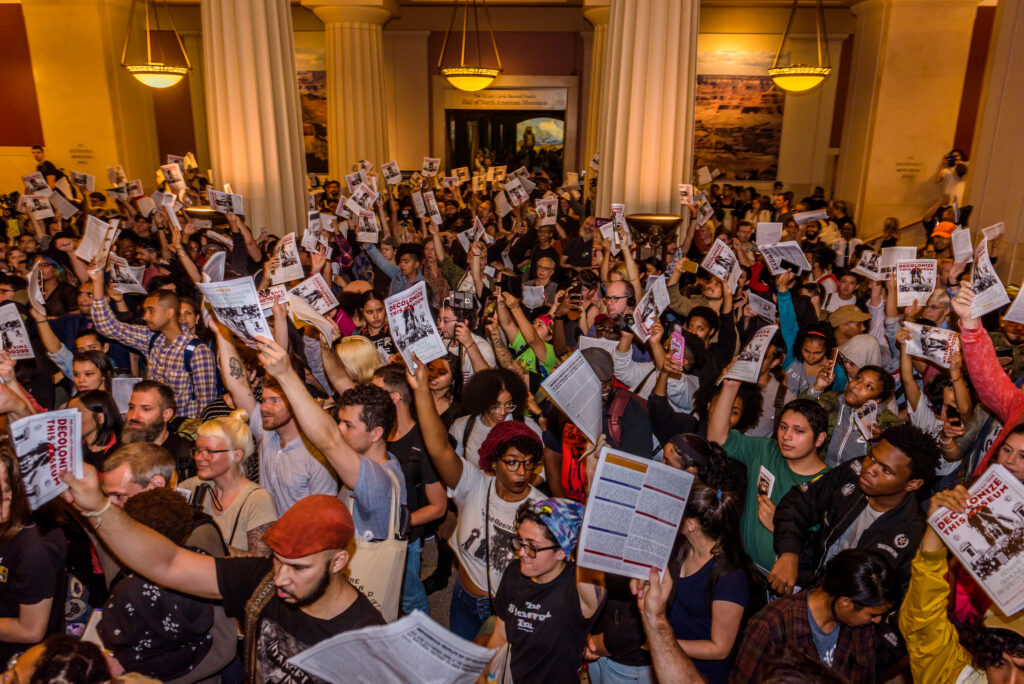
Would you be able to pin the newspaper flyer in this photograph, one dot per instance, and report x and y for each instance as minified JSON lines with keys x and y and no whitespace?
{"x":516,"y":192}
{"x":989,"y":293}
{"x":122,"y":276}
{"x":352,"y":180}
{"x":704,"y":176}
{"x":705,"y":212}
{"x":501,"y":204}
{"x":35,"y":184}
{"x":747,"y":366}
{"x":865,"y":417}
{"x":775,"y":254}
{"x":392,"y":174}
{"x":1015,"y":313}
{"x":432,"y":210}
{"x":316,"y":292}
{"x":869,"y":265}
{"x":768,"y":234}
{"x":764,"y":308}
{"x":48,"y":444}
{"x":301,"y":310}
{"x":363,"y":197}
{"x":431,"y":165}
{"x":632,"y":515}
{"x":67,"y":209}
{"x":289,"y":268}
{"x":418,"y":204}
{"x":86,"y":182}
{"x":237,"y":305}
{"x":213,"y":269}
{"x":462,"y":173}
{"x":963,"y":250}
{"x":13,"y":335}
{"x":810,"y":216}
{"x":122,"y":389}
{"x":225,"y":202}
{"x":765,"y":482}
{"x":367,"y":229}
{"x":915,"y":281}
{"x":450,"y":182}
{"x":995,"y":231}
{"x":575,"y":388}
{"x":892,"y":256}
{"x":986,"y":538}
{"x":547,"y":210}
{"x":278,"y":294}
{"x":933,"y":344}
{"x":412,"y":326}
{"x":97,"y":240}
{"x":720,"y":260}
{"x":685,"y":193}
{"x":412,"y":649}
{"x":35,"y":290}
{"x":38,"y":206}
{"x":650,"y":306}
{"x":595,"y":161}
{"x":174,"y":177}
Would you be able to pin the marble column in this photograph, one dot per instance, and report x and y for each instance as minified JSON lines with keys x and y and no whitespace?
{"x":646,"y":121}
{"x":597,"y":13}
{"x":996,"y":174}
{"x":906,"y":78}
{"x":357,"y":126}
{"x":252,"y":104}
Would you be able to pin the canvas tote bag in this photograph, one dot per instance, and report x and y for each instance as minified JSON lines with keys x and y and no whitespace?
{"x":376,"y":568}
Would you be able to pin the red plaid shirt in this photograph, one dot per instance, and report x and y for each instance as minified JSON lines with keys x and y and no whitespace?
{"x":785,"y":622}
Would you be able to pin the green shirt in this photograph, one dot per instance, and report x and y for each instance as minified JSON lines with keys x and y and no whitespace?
{"x":754,"y":452}
{"x":528,"y":358}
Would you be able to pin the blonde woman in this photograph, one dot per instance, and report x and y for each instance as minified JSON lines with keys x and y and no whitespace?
{"x":241,"y":508}
{"x":352,"y":361}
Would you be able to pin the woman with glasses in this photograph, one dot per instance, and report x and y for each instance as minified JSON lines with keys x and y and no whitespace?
{"x":545,"y":604}
{"x":488,"y":492}
{"x":241,"y":508}
{"x":491,"y":396}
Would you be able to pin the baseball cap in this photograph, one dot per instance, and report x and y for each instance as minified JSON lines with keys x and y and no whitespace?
{"x":944,"y":229}
{"x":314,"y":523}
{"x":601,"y":363}
{"x":848,"y":313}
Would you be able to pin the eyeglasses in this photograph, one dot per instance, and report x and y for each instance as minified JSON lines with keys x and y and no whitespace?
{"x":198,"y":452}
{"x":508,"y":407}
{"x":610,"y":298}
{"x":521,"y":546}
{"x":512,"y":465}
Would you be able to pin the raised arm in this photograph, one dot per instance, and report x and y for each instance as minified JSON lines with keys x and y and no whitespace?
{"x":671,"y":664}
{"x":721,"y":410}
{"x":333,"y":368}
{"x":314,"y":422}
{"x":526,"y":328}
{"x":238,"y":226}
{"x":435,"y":437}
{"x":505,"y":320}
{"x":233,"y":372}
{"x":139,"y":547}
{"x":910,"y":388}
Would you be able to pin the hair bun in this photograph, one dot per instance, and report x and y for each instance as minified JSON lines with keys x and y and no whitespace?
{"x":240,"y":415}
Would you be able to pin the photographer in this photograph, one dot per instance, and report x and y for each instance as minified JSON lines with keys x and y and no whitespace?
{"x":456,"y":322}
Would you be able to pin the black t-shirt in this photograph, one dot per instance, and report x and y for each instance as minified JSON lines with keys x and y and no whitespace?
{"x":579,"y":252}
{"x":544,"y":625}
{"x":418,"y":471}
{"x":48,"y":169}
{"x":284,"y":629}
{"x":63,"y":300}
{"x":382,"y":340}
{"x":32,"y":570}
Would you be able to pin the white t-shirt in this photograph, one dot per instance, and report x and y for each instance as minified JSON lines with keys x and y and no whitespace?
{"x":486,"y":350}
{"x":853,"y":533}
{"x":953,"y":184}
{"x":469,"y":539}
{"x":833,"y":301}
{"x":477,"y":436}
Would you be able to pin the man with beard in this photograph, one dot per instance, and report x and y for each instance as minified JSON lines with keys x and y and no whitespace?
{"x":295,"y":599}
{"x":150,"y":411}
{"x":287,"y":469}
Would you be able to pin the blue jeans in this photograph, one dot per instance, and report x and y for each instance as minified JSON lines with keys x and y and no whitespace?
{"x":607,"y":671}
{"x":467,"y":613}
{"x":414,"y":596}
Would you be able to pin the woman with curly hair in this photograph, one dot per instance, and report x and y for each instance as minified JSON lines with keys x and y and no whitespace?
{"x":61,"y":658}
{"x":488,"y":498}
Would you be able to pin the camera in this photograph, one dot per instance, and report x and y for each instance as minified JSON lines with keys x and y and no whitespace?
{"x":625,"y":323}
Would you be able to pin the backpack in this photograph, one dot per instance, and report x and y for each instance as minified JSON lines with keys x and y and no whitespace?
{"x":190,"y":350}
{"x":620,"y":400}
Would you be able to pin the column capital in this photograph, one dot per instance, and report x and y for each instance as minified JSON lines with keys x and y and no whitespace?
{"x":597,"y":12}
{"x":353,"y":11}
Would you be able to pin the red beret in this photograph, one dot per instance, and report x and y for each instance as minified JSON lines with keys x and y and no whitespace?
{"x":499,"y":434}
{"x":313,"y":524}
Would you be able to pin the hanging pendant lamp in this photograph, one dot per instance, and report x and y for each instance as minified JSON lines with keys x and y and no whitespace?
{"x":150,"y":73}
{"x":470,"y":77}
{"x":802,"y":78}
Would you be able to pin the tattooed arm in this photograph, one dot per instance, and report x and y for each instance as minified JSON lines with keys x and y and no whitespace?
{"x":233,"y":372}
{"x":501,"y":352}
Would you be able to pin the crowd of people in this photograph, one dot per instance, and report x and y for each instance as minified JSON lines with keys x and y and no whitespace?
{"x":240,"y":503}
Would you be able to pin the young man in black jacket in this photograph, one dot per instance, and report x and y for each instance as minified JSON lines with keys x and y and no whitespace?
{"x":864,"y":504}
